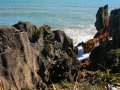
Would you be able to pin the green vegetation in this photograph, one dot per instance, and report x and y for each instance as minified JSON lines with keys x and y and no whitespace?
{"x":26,"y":88}
{"x":108,"y":77}
{"x":116,"y":80}
{"x":49,"y":38}
{"x":76,"y":86}
{"x":66,"y":84}
{"x":37,"y":33}
{"x":114,"y":51}
{"x":113,"y":79}
{"x":95,"y":87}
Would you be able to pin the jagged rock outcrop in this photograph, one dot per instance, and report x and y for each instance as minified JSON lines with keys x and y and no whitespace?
{"x":56,"y":44}
{"x":107,"y":54}
{"x":65,"y":40}
{"x":35,"y":57}
{"x":32,"y":56}
{"x":101,"y":24}
{"x":102,"y":19}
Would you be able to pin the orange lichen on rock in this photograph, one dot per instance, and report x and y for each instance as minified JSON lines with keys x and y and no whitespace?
{"x":92,"y":43}
{"x":103,"y":36}
{"x":101,"y":24}
{"x":89,"y":45}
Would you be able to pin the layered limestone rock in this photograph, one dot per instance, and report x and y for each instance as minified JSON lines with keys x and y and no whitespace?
{"x":34,"y":57}
{"x":17,"y":60}
{"x":107,"y":55}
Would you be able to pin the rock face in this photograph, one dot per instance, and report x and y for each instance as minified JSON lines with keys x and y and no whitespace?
{"x":103,"y":57}
{"x":35,"y":57}
{"x":114,"y":27}
{"x":97,"y":55}
{"x":107,"y":54}
{"x":32,"y":56}
{"x":101,"y":24}
{"x":102,"y":19}
{"x":61,"y":69}
{"x":18,"y":61}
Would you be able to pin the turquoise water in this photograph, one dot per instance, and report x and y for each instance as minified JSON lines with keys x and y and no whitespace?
{"x":52,"y":12}
{"x":70,"y":15}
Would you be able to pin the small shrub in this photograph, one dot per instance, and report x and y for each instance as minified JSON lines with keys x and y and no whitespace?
{"x":107,"y":77}
{"x":66,"y":84}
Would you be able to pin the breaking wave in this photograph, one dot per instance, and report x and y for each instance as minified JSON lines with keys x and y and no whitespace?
{"x":80,"y":33}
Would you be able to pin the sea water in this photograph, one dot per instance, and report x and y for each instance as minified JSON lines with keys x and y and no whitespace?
{"x":75,"y":17}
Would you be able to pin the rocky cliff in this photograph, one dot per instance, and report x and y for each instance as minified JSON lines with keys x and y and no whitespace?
{"x":34,"y":57}
{"x":107,"y":55}
{"x":18,"y":60}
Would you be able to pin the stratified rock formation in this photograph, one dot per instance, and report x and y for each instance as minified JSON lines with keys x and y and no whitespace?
{"x":34,"y":57}
{"x":18,"y":67}
{"x":107,"y":55}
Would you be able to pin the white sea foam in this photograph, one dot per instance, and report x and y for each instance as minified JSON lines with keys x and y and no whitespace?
{"x":80,"y":52}
{"x":80,"y":33}
{"x":84,"y":56}
{"x":80,"y":55}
